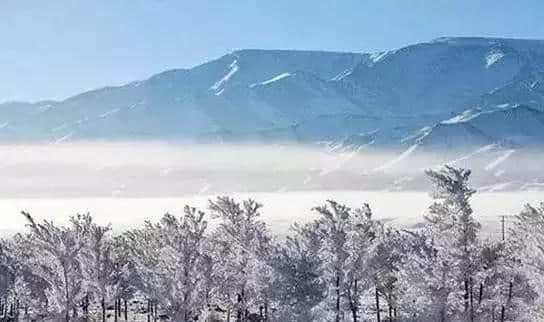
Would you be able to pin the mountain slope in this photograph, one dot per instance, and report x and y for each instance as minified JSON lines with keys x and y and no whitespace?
{"x":384,"y":99}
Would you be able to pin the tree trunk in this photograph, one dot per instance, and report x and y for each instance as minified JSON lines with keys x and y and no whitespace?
{"x":337,"y":297}
{"x":390,"y":313}
{"x":156,"y":312}
{"x":355,"y":302}
{"x":492,"y":314}
{"x":126,"y":310}
{"x":465,"y":296}
{"x":377,"y":306}
{"x":67,"y":292}
{"x":148,"y":310}
{"x":481,"y":293}
{"x":103,"y":305}
{"x":510,"y":287}
{"x":471,"y":302}
{"x":115,"y":310}
{"x":239,"y":310}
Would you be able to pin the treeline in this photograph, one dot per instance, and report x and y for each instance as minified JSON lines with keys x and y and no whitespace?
{"x":343,"y":266}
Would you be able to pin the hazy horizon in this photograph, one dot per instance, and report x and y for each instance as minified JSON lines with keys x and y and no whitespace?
{"x":155,"y":169}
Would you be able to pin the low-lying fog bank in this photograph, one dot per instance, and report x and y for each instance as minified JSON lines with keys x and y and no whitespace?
{"x":150,"y":169}
{"x":127,"y":183}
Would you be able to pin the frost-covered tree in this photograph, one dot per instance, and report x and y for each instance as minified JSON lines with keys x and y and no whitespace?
{"x":364,"y":263}
{"x":9,"y":274}
{"x":242,"y":237}
{"x":27,"y":289}
{"x":386,"y":254}
{"x":504,"y":292}
{"x":428,"y":280}
{"x":55,"y":258}
{"x":454,"y":227}
{"x":172,"y":272}
{"x":145,"y":253}
{"x":7,"y":266}
{"x":299,"y":284}
{"x":105,"y":268}
{"x":528,"y":233}
{"x":334,"y":227}
{"x":347,"y":253}
{"x":527,"y":239}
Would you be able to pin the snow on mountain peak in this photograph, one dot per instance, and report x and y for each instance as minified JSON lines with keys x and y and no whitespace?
{"x":233,"y":69}
{"x":463,"y":117}
{"x":493,"y":57}
{"x":271,"y":80}
{"x":376,"y":57}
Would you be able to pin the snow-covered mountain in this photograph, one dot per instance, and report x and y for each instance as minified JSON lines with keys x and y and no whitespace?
{"x":450,"y":92}
{"x":480,"y":100}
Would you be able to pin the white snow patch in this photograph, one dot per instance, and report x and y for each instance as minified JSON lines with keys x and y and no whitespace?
{"x":499,"y":160}
{"x":505,"y":105}
{"x":401,"y":157}
{"x":534,"y":84}
{"x":44,"y":108}
{"x":483,"y":149}
{"x":463,"y":117}
{"x":271,"y":80}
{"x":419,"y":135}
{"x":342,"y":75}
{"x":109,"y":113}
{"x":64,"y":138}
{"x":135,"y":105}
{"x":493,"y":57}
{"x":233,"y":69}
{"x":376,"y":57}
{"x":3,"y":125}
{"x":219,"y":92}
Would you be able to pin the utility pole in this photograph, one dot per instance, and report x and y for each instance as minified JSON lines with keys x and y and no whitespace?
{"x":503,"y":226}
{"x":503,"y":219}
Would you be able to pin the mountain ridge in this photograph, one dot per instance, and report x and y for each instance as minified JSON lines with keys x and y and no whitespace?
{"x":252,"y":91}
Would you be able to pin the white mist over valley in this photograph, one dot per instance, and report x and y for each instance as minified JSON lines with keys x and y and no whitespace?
{"x":126,"y":183}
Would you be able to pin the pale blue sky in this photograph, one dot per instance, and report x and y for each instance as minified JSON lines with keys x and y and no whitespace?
{"x":57,"y":48}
